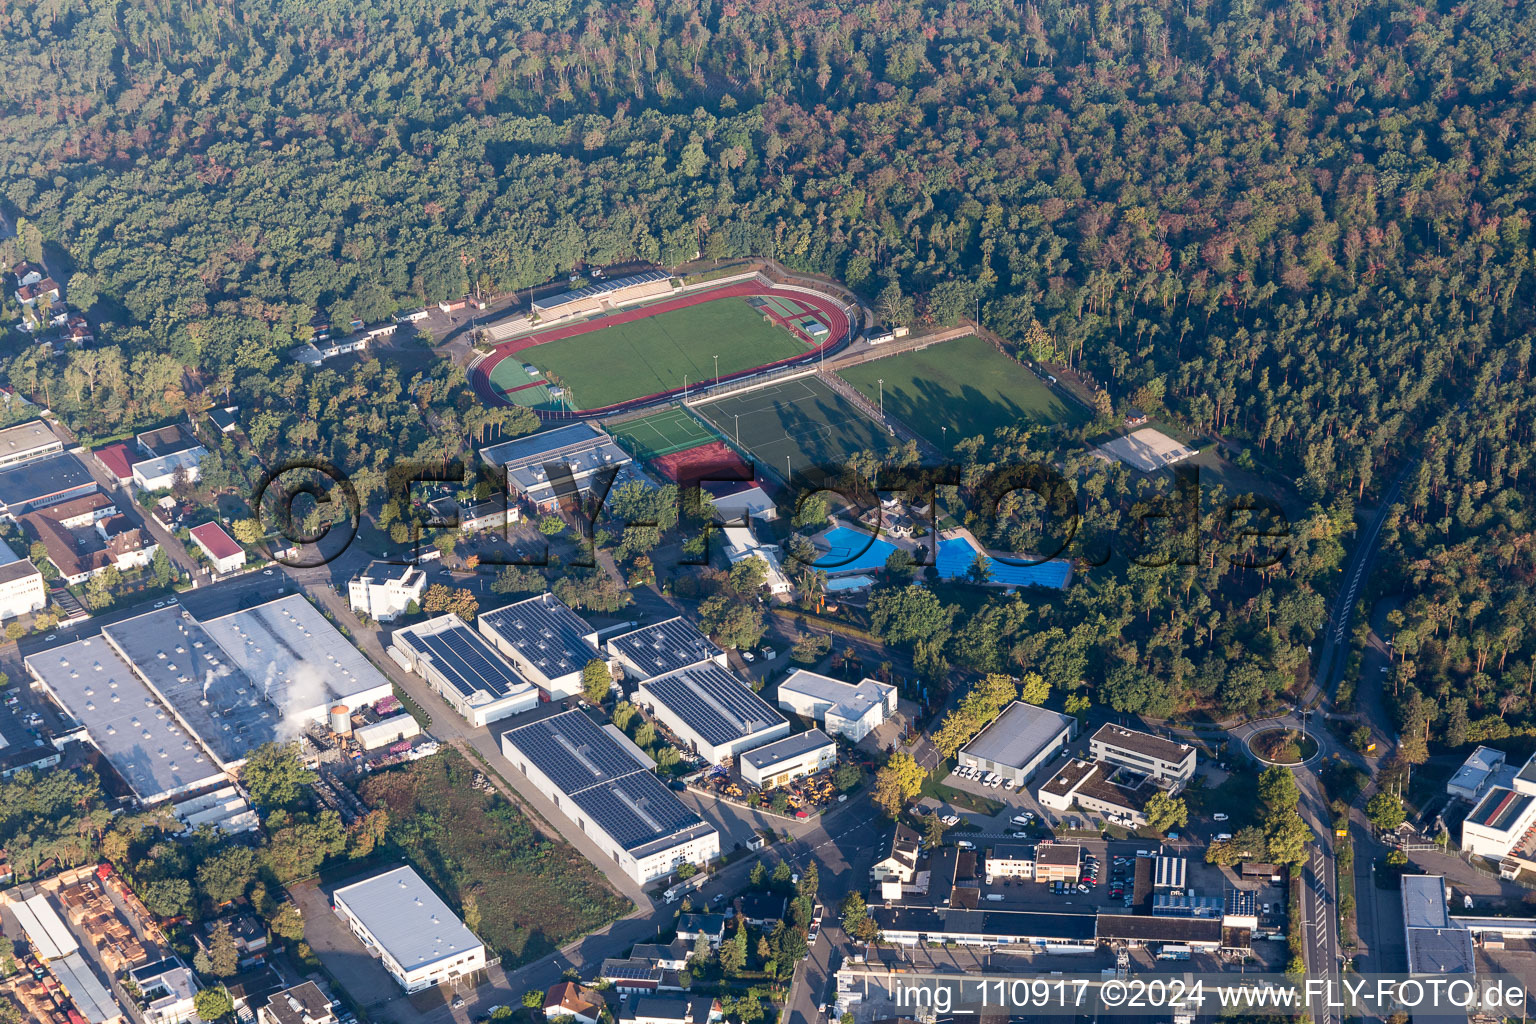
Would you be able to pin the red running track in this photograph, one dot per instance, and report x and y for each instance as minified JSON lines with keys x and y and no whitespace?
{"x":828,"y":312}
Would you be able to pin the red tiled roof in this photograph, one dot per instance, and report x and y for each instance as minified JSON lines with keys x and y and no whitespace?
{"x":218,"y":543}
{"x":118,"y":459}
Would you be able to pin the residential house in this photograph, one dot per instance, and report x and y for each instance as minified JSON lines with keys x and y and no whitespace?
{"x":569,"y":999}
{"x":301,"y":1004}
{"x":221,"y":549}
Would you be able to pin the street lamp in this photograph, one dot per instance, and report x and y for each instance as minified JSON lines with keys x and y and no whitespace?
{"x":787,"y":471}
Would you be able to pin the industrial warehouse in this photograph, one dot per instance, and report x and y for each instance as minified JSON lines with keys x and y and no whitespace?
{"x":173,"y":703}
{"x":463,"y":669}
{"x":604,"y":783}
{"x":663,"y":647}
{"x":712,"y":711}
{"x":544,"y":640}
{"x":418,"y":939}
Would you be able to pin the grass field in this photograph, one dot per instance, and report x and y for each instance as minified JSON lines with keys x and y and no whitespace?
{"x":642,"y":357}
{"x":662,"y":433}
{"x":801,"y":419}
{"x":965,"y":385}
{"x":524,"y":894}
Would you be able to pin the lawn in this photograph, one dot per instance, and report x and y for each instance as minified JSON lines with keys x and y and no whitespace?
{"x":959,"y":389}
{"x":523,"y":893}
{"x":613,"y":363}
{"x":801,"y":420}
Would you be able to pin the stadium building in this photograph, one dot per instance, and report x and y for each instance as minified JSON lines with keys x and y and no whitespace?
{"x":1019,"y":741}
{"x":663,"y":647}
{"x":545,"y":641}
{"x":604,"y":783}
{"x":463,"y":669}
{"x":601,"y":295}
{"x":712,"y":711}
{"x":417,"y":938}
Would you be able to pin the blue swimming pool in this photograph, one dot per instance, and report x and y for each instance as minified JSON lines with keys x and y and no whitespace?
{"x":956,"y":555}
{"x":853,"y":551}
{"x":849,"y":583}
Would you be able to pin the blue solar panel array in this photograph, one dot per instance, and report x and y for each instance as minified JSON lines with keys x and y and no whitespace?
{"x":713,"y":702}
{"x":613,"y":789}
{"x":547,"y":633}
{"x":468,"y":662}
{"x":664,"y":647}
{"x":572,"y":751}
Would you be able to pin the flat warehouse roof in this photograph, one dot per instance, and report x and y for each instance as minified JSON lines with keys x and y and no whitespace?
{"x":664,"y":646}
{"x":1154,"y":929}
{"x":545,"y":632}
{"x":713,"y":702}
{"x":463,"y":657}
{"x":1424,"y":901}
{"x":190,"y":672}
{"x":1147,"y":449}
{"x":139,"y":738}
{"x":39,"y":478}
{"x":1501,"y":809}
{"x":789,"y":747}
{"x":26,"y":437}
{"x":1018,"y":734}
{"x":294,"y":653}
{"x":407,"y":919}
{"x":640,"y":813}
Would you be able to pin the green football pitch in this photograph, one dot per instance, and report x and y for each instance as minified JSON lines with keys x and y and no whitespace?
{"x":959,"y":389}
{"x":662,"y":433}
{"x":801,"y":420}
{"x":608,"y":365}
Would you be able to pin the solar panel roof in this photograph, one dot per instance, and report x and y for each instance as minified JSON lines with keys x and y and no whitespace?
{"x":714,"y":703}
{"x":572,"y":751}
{"x":664,"y":646}
{"x":464,"y":658}
{"x":545,"y":632}
{"x":610,"y":786}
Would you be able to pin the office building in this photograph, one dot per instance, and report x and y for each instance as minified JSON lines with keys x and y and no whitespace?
{"x":1168,"y":761}
{"x":417,"y":938}
{"x":384,"y":591}
{"x":27,"y":441}
{"x":849,"y":710}
{"x":782,"y":761}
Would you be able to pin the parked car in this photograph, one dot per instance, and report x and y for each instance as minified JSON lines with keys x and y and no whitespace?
{"x":1021,"y":835}
{"x":1218,"y":817}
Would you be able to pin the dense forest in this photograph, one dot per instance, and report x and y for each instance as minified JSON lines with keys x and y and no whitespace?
{"x":1302,"y":227}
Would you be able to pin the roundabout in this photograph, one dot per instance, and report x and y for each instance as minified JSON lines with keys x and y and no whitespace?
{"x":1279,"y":745}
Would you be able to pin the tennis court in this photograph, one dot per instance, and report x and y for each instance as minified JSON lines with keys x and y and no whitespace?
{"x":614,"y":362}
{"x":959,"y":389}
{"x":801,"y":420}
{"x":662,"y":433}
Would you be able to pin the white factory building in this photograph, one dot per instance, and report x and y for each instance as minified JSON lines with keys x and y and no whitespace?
{"x":417,"y":938}
{"x":1019,"y":741}
{"x":849,"y":710}
{"x":605,"y":784}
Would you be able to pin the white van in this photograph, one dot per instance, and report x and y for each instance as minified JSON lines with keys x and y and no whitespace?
{"x":966,"y":844}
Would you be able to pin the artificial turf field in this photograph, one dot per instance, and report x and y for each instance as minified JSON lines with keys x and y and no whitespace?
{"x":966,"y":385}
{"x":802,"y":419}
{"x":661,"y":433}
{"x":615,"y":363}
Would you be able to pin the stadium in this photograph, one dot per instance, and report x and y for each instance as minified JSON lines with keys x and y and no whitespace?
{"x":630,"y":358}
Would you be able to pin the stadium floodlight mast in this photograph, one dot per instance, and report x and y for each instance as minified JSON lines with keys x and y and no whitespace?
{"x":738,"y":429}
{"x":717,"y":371}
{"x":881,"y":382}
{"x":685,"y":387}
